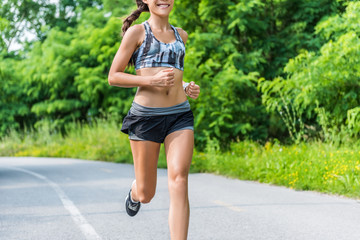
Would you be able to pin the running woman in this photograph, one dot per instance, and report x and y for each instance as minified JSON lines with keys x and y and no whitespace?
{"x":160,"y":112}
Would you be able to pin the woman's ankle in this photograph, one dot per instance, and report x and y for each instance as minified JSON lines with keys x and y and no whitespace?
{"x":133,"y":190}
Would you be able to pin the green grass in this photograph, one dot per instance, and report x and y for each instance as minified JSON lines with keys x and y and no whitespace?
{"x":315,"y":166}
{"x":308,"y":166}
{"x":101,"y":140}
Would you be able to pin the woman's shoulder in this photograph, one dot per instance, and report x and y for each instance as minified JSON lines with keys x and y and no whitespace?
{"x":183,"y":34}
{"x":136,"y":30}
{"x":136,"y":33}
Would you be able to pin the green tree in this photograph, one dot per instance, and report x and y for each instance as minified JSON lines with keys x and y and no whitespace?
{"x":231,"y":44}
{"x":19,"y":17}
{"x":323,"y":86}
{"x":68,"y":80}
{"x":13,"y":104}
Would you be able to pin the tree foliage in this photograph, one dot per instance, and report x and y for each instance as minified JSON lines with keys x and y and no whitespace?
{"x":232,"y":44}
{"x":36,"y":16}
{"x":324,"y":85}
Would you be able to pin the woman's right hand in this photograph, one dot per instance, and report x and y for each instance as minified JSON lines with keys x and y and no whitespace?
{"x":164,"y":78}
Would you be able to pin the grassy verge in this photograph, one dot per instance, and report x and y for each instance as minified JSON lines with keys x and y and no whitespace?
{"x":307,"y":166}
{"x":102,"y":140}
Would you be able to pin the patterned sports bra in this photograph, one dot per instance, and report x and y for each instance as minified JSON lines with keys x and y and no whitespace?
{"x":153,"y":53}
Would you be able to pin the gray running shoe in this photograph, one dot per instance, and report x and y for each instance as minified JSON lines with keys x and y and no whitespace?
{"x":132,"y":208}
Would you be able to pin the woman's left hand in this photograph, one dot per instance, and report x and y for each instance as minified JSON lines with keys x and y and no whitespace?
{"x":192,"y":90}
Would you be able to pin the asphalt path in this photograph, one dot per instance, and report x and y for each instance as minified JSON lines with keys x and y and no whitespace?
{"x":60,"y":199}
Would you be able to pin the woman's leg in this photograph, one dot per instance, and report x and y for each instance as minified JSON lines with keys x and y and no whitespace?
{"x":179,"y":150}
{"x":145,"y":155}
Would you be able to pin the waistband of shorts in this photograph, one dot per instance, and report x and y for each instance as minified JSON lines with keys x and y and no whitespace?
{"x":140,"y":110}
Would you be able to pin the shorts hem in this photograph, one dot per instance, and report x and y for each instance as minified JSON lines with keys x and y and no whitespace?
{"x":180,"y":129}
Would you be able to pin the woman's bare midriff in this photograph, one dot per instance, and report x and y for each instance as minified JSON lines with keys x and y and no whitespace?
{"x":160,"y":96}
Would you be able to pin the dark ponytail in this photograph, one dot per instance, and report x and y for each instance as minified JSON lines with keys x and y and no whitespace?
{"x":142,"y":7}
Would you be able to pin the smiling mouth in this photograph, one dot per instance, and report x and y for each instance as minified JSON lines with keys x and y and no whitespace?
{"x":163,"y":5}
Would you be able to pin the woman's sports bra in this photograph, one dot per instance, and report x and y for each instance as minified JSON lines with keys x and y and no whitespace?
{"x":153,"y":53}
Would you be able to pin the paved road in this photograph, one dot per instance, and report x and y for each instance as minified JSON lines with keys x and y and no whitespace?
{"x":60,"y":199}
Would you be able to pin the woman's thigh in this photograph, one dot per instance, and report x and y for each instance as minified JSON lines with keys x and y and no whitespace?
{"x":145,"y":156}
{"x":179,"y":147}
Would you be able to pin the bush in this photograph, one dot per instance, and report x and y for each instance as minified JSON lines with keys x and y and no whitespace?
{"x":322,"y":88}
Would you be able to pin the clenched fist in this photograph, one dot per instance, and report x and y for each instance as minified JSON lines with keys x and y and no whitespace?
{"x":192,"y":90}
{"x":164,"y":78}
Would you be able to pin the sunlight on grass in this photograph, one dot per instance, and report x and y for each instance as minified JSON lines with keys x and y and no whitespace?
{"x":307,"y":166}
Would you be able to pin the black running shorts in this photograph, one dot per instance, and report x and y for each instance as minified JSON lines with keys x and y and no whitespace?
{"x":156,"y":128}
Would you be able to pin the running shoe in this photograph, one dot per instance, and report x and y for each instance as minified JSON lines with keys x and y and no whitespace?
{"x":132,"y":208}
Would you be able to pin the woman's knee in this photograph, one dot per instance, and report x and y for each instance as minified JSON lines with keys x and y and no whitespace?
{"x":145,"y":195}
{"x":178,"y":182}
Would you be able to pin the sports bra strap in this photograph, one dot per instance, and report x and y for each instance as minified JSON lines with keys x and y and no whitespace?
{"x":148,"y":30}
{"x":177,"y":34}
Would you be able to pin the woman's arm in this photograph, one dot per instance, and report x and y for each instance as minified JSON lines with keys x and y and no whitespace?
{"x":116,"y":76}
{"x":191,"y":89}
